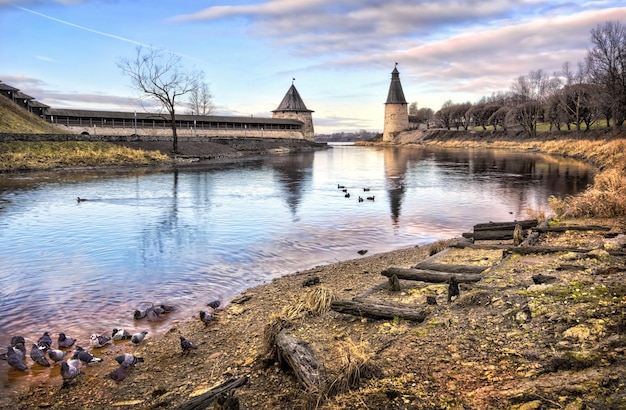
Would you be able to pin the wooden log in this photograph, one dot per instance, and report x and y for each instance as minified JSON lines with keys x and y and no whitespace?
{"x":544,"y":229}
{"x":204,"y":400}
{"x":430,"y":276}
{"x":500,"y":235}
{"x":528,"y":250}
{"x":505,"y":226}
{"x":300,"y":358}
{"x":377,"y":310}
{"x":446,"y":267}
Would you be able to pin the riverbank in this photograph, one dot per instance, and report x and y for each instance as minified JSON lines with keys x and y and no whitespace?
{"x":505,"y":342}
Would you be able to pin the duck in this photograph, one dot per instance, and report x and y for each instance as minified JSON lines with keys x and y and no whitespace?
{"x":340,"y":186}
{"x":360,"y":199}
{"x":366,"y":189}
{"x":370,"y":198}
{"x":347,"y":195}
{"x":79,"y":199}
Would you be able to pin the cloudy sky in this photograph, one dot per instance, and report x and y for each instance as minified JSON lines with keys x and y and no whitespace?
{"x":341,"y":52}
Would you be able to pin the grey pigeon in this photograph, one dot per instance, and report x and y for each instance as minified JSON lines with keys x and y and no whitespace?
{"x":186,"y":345}
{"x":120,"y":334}
{"x":153,"y":314}
{"x":69,"y":371}
{"x":65,"y":341}
{"x":127,"y":360}
{"x":45,"y":341}
{"x":56,"y":355}
{"x":138,"y":337}
{"x":20,"y":349}
{"x":214,"y":305}
{"x":206,"y":318}
{"x":16,"y":360}
{"x":118,"y":374}
{"x":17,"y":339}
{"x":99,"y":341}
{"x":139,"y":314}
{"x":38,"y":357}
{"x":167,"y":308}
{"x":84,"y":356}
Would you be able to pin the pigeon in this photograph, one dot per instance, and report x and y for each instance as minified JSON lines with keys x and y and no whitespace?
{"x":69,"y":371}
{"x":56,"y":355}
{"x":186,"y":345}
{"x":138,"y":337}
{"x":118,"y":374}
{"x":45,"y":341}
{"x":167,"y":308}
{"x":362,"y":251}
{"x":84,"y":356}
{"x":127,"y":360}
{"x":214,"y":305}
{"x":120,"y":334}
{"x":153,"y":314}
{"x":16,"y":360}
{"x":38,"y":357}
{"x":206,"y":318}
{"x":139,"y":314}
{"x":20,"y":349}
{"x":65,"y":341}
{"x":17,"y":339}
{"x":100,"y":341}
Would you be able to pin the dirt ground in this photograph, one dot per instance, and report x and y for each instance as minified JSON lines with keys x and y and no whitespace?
{"x":504,"y":343}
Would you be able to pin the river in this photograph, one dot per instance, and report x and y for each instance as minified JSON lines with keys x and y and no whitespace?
{"x":194,"y":235}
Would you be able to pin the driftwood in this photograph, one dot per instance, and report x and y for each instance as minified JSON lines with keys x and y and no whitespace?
{"x":377,"y":310}
{"x":499,"y":235}
{"x":204,"y":400}
{"x":543,"y":229}
{"x":505,"y":226}
{"x":430,"y":275}
{"x":528,"y":250}
{"x":299,"y":357}
{"x":445,"y":267}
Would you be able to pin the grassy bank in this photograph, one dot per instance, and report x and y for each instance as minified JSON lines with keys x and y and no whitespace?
{"x":22,"y":156}
{"x":605,"y":198}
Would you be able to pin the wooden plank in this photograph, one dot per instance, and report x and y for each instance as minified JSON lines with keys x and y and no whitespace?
{"x":204,"y":400}
{"x":377,"y":310}
{"x":505,"y":226}
{"x":446,"y":267}
{"x":544,"y":229}
{"x":430,"y":276}
{"x":484,"y":235}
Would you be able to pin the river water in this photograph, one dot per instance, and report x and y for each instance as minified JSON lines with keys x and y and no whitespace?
{"x":195,"y":235}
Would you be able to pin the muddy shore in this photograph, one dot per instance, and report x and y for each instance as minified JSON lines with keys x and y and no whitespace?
{"x":504,"y":343}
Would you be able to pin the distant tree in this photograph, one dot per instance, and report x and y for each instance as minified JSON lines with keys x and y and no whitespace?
{"x":413,"y":108}
{"x":531,"y":92}
{"x":606,"y":61}
{"x":460,"y":117}
{"x":499,"y":117}
{"x":201,"y":100}
{"x":445,"y":115}
{"x":425,"y":116}
{"x":160,"y":77}
{"x":481,"y":112}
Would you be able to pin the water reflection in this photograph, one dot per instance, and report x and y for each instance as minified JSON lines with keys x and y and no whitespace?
{"x":194,"y":235}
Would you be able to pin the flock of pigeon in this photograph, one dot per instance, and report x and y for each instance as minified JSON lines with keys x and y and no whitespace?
{"x":43,"y":354}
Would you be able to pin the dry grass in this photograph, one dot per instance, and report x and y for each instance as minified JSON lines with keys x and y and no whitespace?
{"x":19,"y":155}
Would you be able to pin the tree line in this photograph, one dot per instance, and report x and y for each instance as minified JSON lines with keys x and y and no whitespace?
{"x":577,"y":97}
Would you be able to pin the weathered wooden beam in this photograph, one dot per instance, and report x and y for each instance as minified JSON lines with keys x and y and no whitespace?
{"x":527,"y":250}
{"x":300,"y":358}
{"x":543,"y":229}
{"x":450,"y":268}
{"x":505,"y":226}
{"x":377,"y":310}
{"x":430,"y":276}
{"x":204,"y":400}
{"x":484,"y":235}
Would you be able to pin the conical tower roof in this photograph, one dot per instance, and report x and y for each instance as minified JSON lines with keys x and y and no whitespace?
{"x":395,"y":95}
{"x":292,"y":102}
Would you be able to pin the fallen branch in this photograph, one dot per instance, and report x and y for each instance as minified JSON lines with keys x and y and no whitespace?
{"x":505,"y":226}
{"x":543,"y":229}
{"x":430,"y":275}
{"x":377,"y":310}
{"x":204,"y":400}
{"x":445,"y":267}
{"x":299,"y":357}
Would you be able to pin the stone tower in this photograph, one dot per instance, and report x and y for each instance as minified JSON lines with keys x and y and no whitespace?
{"x":396,"y":108}
{"x":293,"y":107}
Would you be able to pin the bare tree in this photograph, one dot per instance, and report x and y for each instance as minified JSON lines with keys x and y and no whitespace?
{"x":607,"y":65}
{"x":201,"y":100}
{"x":531,"y":92}
{"x":161,"y":77}
{"x":413,"y":108}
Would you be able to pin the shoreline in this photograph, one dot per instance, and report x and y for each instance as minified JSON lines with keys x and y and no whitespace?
{"x":442,"y":362}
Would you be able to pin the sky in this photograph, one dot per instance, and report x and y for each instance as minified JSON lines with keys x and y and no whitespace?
{"x":66,"y":53}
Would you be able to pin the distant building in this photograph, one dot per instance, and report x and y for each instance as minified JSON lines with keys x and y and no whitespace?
{"x":396,"y":109}
{"x":292,"y":107}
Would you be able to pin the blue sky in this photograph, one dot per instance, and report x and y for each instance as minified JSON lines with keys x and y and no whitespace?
{"x":341,"y":52}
